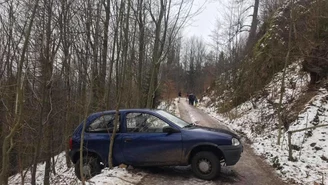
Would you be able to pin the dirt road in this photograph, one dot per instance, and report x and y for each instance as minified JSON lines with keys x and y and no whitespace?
{"x":250,"y":170}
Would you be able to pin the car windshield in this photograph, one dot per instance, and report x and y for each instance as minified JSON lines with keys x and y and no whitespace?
{"x":181,"y":123}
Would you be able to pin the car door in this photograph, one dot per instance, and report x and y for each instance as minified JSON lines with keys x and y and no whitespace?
{"x":97,"y":137}
{"x":145,"y":143}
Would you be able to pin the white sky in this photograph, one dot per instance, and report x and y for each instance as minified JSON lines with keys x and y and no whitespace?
{"x":203,"y":23}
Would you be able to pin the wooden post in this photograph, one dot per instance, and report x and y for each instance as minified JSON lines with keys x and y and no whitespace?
{"x":290,"y":154}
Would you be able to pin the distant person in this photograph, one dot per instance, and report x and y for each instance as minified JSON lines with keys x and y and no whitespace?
{"x":179,"y":94}
{"x":191,"y":99}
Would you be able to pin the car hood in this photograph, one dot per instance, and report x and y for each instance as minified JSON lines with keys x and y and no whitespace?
{"x":221,"y":131}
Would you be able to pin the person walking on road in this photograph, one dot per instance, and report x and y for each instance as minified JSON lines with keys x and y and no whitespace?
{"x":196,"y":101}
{"x":179,"y":94}
{"x":191,"y":99}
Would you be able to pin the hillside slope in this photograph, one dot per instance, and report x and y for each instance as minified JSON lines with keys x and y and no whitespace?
{"x":296,"y":36}
{"x":257,"y":120}
{"x":298,"y":31}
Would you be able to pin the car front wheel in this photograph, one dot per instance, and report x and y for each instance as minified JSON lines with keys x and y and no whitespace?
{"x":90,"y":168}
{"x":205,"y":165}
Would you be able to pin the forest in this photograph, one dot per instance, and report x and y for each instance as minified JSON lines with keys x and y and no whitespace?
{"x":62,"y":60}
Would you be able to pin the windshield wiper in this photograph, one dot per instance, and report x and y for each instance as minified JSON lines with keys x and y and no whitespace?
{"x":189,"y":125}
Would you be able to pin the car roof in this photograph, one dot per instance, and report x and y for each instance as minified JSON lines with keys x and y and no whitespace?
{"x":121,"y":111}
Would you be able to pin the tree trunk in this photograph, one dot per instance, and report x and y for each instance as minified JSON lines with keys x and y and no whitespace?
{"x":141,"y":24}
{"x":125,"y":53}
{"x":155,"y":58}
{"x":282,"y":88}
{"x":252,"y":32}
{"x":47,"y":85}
{"x":66,"y":44}
{"x":115,"y":51}
{"x":90,"y":96}
{"x":120,"y":81}
{"x":105,"y":51}
{"x":97,"y":90}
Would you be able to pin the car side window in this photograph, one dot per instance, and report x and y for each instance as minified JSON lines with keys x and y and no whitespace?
{"x":143,"y":122}
{"x":103,"y":124}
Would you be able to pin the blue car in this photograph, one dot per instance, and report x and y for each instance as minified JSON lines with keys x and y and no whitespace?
{"x":147,"y":137}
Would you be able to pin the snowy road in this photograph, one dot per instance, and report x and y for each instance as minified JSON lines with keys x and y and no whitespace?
{"x":250,"y":170}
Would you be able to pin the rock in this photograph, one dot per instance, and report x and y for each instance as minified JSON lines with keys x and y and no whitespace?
{"x":317,"y":148}
{"x":324,"y":158}
{"x":295,"y":147}
{"x":313,"y":144}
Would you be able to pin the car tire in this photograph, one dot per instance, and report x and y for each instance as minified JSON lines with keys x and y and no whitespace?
{"x":205,"y":165}
{"x":91,"y":167}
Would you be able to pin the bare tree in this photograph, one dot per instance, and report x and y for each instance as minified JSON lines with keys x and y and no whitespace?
{"x":287,"y":61}
{"x":64,"y":22}
{"x":8,"y":141}
{"x":121,"y":73}
{"x":252,"y":31}
{"x":104,"y":57}
{"x":163,"y":34}
{"x":76,"y":57}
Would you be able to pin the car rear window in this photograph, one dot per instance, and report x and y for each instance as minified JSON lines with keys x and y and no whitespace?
{"x":104,"y":123}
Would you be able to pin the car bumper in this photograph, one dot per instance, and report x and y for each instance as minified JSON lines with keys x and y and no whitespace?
{"x":231,"y":154}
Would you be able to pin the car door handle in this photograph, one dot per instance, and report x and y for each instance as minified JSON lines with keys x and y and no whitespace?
{"x":127,"y":140}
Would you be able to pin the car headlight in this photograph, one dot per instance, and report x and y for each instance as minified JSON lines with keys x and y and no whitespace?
{"x":235,"y":142}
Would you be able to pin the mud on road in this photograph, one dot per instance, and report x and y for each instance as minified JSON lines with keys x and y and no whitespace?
{"x":250,"y":170}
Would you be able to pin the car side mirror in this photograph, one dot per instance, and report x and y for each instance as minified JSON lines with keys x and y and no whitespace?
{"x":169,"y":130}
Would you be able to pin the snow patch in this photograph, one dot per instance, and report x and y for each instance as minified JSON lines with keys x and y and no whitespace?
{"x":64,"y":175}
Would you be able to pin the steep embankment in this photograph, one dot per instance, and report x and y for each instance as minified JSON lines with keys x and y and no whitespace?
{"x":296,"y":36}
{"x":298,"y":31}
{"x":257,"y":119}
